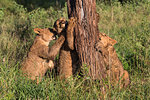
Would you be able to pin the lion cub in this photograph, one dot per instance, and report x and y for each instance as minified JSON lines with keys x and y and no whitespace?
{"x":68,"y":58}
{"x":40,"y":57}
{"x":114,"y":67}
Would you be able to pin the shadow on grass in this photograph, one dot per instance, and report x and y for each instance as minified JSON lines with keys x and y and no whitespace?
{"x":33,"y":4}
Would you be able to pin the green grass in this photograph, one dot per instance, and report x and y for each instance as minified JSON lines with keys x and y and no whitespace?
{"x":128,"y":24}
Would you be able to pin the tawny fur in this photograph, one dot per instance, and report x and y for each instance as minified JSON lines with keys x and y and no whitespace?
{"x":40,"y":57}
{"x":60,"y":25}
{"x":68,"y":56}
{"x":114,"y":67}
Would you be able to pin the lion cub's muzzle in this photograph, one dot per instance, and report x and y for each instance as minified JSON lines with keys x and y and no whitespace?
{"x":54,"y":37}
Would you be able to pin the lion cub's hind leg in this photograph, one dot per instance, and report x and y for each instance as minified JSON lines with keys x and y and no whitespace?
{"x":126,"y":80}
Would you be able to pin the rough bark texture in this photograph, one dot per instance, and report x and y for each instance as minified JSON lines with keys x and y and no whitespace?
{"x":86,"y":35}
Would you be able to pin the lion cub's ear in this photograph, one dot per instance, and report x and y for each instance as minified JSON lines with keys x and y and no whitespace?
{"x":38,"y":31}
{"x":112,"y":41}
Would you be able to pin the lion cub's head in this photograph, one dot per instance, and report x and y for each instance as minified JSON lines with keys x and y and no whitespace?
{"x":60,"y":25}
{"x":106,"y":40}
{"x":45,"y":34}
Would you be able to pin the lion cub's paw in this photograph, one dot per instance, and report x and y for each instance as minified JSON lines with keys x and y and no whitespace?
{"x":51,"y":64}
{"x":98,"y":46}
{"x":72,"y":22}
{"x":60,"y":25}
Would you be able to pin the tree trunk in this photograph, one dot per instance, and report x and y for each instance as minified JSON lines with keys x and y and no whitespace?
{"x":86,"y":35}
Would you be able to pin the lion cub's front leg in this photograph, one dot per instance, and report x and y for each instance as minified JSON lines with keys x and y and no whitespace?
{"x":70,"y":32}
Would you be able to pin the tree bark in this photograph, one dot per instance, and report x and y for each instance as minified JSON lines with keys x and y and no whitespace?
{"x":86,"y":35}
